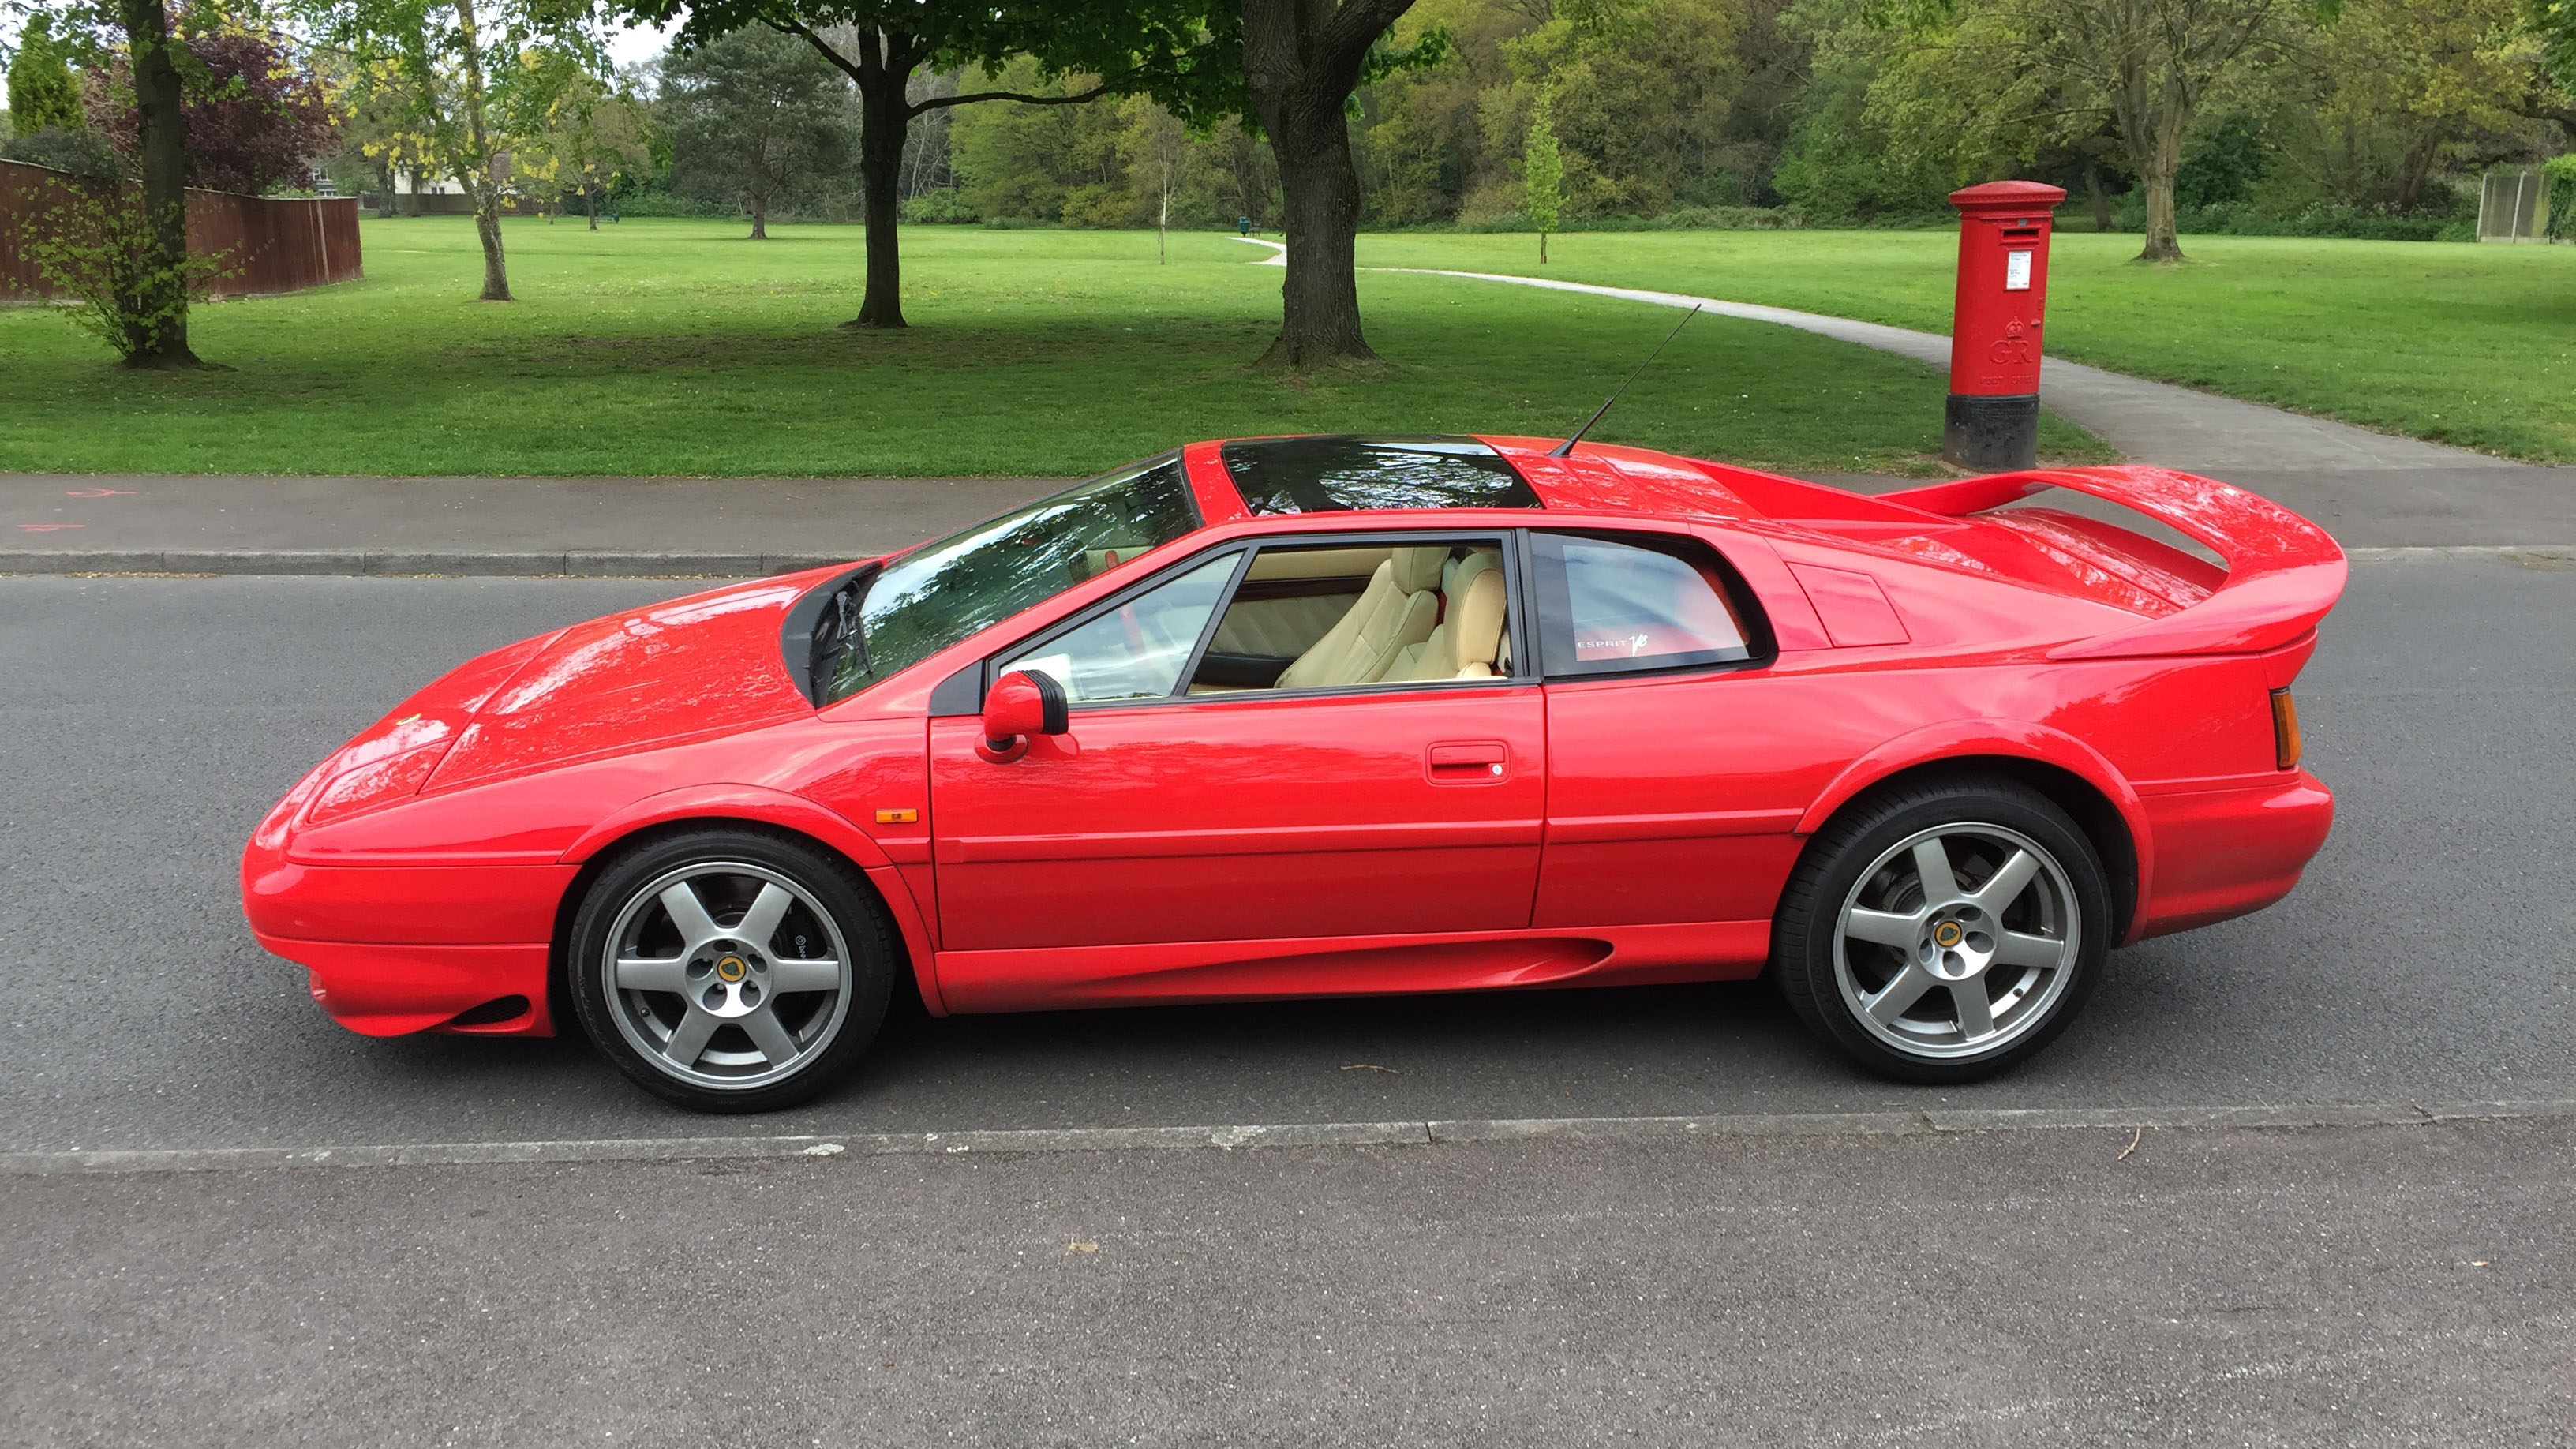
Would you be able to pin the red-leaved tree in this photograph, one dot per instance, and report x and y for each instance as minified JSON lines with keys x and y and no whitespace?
{"x":255,"y":117}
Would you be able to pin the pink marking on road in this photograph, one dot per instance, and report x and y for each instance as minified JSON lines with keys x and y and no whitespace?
{"x":48,"y":527}
{"x":98,"y":493}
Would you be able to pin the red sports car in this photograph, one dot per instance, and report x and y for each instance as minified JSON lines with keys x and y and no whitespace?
{"x":1332,"y":715}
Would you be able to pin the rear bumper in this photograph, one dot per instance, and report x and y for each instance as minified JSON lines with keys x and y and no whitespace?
{"x":2226,"y":853}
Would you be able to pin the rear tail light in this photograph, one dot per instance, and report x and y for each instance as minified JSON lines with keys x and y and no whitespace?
{"x":2285,"y":729}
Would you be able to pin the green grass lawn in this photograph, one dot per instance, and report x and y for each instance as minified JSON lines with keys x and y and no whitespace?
{"x":677,"y":347}
{"x":2469,"y":345}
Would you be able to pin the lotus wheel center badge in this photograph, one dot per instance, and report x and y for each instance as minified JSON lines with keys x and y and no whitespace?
{"x":730,"y":968}
{"x":1945,"y":935}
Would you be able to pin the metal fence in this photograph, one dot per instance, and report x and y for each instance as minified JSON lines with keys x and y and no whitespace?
{"x":267,"y":245}
{"x":2513,"y":206}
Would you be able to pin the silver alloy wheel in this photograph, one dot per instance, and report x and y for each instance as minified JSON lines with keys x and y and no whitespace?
{"x":726,"y":974}
{"x":1957,"y":940}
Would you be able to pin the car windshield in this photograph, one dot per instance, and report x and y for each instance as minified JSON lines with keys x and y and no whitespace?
{"x":944,"y":592}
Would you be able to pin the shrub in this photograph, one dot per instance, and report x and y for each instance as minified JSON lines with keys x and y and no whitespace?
{"x":66,"y":148}
{"x":1680,"y":218}
{"x":944,"y":207}
{"x":655,"y":202}
{"x":94,"y":241}
{"x":2438,"y":218}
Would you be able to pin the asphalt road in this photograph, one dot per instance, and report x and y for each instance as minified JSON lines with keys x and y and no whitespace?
{"x":2395,"y":1285}
{"x":145,"y":724}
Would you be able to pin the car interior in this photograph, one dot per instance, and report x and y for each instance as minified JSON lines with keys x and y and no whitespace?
{"x":1311,"y":618}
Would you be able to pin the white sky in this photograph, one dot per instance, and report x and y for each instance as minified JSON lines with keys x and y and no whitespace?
{"x":629,"y":47}
{"x":626,"y":47}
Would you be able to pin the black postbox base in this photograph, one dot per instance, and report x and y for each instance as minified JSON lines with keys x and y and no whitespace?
{"x":1991,"y":432}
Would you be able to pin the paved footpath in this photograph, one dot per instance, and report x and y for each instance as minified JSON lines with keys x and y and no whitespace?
{"x":2369,"y":489}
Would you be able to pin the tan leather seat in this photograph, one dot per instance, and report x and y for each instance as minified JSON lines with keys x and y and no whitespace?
{"x":1467,"y":643}
{"x":1399,"y":609}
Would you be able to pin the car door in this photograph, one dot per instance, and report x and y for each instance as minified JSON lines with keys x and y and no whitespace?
{"x":1191,"y":802}
{"x":1675,"y":757}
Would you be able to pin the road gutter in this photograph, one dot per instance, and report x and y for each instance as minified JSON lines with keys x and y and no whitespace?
{"x":1320,"y":1134}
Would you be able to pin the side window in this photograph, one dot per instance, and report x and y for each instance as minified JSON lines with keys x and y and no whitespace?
{"x":1340,"y":616}
{"x":1137,"y":650}
{"x":1612,"y":608}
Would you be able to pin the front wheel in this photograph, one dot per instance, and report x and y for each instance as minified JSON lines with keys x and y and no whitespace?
{"x":1944,"y":932}
{"x":730,"y":971}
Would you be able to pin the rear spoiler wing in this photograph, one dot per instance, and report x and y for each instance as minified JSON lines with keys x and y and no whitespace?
{"x":2283,"y":573}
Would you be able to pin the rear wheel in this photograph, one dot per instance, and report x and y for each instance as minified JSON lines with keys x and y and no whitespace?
{"x":1944,"y":932}
{"x":730,"y":971}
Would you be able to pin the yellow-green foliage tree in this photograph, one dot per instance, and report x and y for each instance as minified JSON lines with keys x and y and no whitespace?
{"x":590,"y":135}
{"x":1543,"y":170}
{"x":41,"y":90}
{"x":482,"y":75}
{"x":2419,"y":77}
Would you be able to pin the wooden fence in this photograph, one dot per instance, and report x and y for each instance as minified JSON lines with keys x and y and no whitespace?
{"x":267,"y":245}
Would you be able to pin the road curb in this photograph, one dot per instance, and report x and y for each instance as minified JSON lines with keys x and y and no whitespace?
{"x":363,"y":563}
{"x":1940,"y":1122}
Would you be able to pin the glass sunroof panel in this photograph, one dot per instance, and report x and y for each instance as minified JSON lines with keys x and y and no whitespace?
{"x":1342,"y":474}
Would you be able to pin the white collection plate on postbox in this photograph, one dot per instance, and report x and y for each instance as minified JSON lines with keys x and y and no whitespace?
{"x":2016,"y":271}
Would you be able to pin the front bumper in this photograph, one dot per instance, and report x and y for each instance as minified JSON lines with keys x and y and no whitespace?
{"x":376,"y":989}
{"x":394,"y":949}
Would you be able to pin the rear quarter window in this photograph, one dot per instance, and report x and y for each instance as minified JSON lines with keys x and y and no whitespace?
{"x":1616,"y":606}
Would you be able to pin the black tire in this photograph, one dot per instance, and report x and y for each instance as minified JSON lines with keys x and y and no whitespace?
{"x":1946,"y":948}
{"x":831,"y":926}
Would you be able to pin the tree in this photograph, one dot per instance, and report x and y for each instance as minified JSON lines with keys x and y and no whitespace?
{"x":481,"y":74}
{"x":1159,"y":47}
{"x":1302,"y":59}
{"x":754,"y":112}
{"x":41,"y":90}
{"x":591,"y":136}
{"x":159,"y":305}
{"x":385,"y":135}
{"x":2424,"y":72}
{"x":2553,"y":22}
{"x":1996,"y":66}
{"x":1543,"y":170}
{"x":157,"y":253}
{"x":254,"y":116}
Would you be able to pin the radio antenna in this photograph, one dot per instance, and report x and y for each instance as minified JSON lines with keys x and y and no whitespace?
{"x":1566,"y":447}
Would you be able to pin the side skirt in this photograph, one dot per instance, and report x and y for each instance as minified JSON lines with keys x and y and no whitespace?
{"x":1196,"y":971}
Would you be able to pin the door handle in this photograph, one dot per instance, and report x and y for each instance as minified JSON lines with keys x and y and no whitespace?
{"x":1468,"y":762}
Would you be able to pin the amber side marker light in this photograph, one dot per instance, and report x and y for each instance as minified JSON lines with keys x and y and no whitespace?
{"x":2285,"y":729}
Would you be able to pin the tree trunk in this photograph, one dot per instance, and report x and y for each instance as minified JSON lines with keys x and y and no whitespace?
{"x":1542,"y":249}
{"x":481,"y":186}
{"x":2101,"y":199}
{"x":2163,"y":243}
{"x":2411,"y":171}
{"x":1301,"y":60}
{"x":1320,"y":311}
{"x":157,"y":318}
{"x":760,"y":216}
{"x":885,"y":117}
{"x":590,"y":204}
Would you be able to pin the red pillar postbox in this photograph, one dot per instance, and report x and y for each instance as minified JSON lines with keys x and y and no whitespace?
{"x":1993,"y":416}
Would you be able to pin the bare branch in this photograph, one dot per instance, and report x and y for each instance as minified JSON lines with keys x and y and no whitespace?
{"x":935,"y":102}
